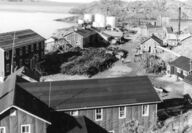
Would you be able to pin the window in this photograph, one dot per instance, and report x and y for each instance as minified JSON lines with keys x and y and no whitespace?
{"x":20,"y":62}
{"x":37,"y":58}
{"x":2,"y":130}
{"x":42,"y":45}
{"x":32,"y":48}
{"x":20,"y":51}
{"x":7,"y":68}
{"x":122,"y":112}
{"x":26,"y":49}
{"x":26,"y":61}
{"x":74,"y":113}
{"x":178,"y":70}
{"x":26,"y":128}
{"x":185,"y":73}
{"x":98,"y":114}
{"x":7,"y":55}
{"x":145,"y":110}
{"x":37,"y":46}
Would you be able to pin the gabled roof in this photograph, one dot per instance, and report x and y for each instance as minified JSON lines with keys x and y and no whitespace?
{"x":13,"y":96}
{"x":181,"y":62}
{"x":22,"y":37}
{"x":155,"y":38}
{"x":85,"y":32}
{"x":64,"y":123}
{"x":93,"y":93}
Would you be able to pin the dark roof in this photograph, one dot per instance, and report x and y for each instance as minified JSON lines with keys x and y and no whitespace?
{"x":85,"y":32}
{"x":169,"y":29}
{"x":181,"y":62}
{"x":188,"y":79}
{"x":158,"y":40}
{"x":150,"y":26}
{"x":22,"y":37}
{"x":155,"y":38}
{"x":64,"y":123}
{"x":92,"y":93}
{"x":13,"y":95}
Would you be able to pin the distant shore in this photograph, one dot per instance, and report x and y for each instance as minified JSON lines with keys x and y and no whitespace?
{"x":45,"y":7}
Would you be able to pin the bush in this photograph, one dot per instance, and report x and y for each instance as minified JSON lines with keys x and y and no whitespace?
{"x":90,"y":63}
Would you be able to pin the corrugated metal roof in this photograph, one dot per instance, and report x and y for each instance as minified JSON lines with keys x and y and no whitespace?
{"x":22,"y":37}
{"x":182,"y":62}
{"x":93,"y":93}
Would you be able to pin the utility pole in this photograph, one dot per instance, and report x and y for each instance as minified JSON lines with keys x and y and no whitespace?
{"x":13,"y":53}
{"x":179,"y":25}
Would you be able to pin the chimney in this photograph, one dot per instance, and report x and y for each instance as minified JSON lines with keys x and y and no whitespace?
{"x":179,"y":26}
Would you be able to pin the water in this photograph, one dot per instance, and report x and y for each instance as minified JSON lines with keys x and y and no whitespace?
{"x":41,"y":22}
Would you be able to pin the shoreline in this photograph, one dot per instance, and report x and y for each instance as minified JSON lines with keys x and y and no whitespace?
{"x":45,"y":7}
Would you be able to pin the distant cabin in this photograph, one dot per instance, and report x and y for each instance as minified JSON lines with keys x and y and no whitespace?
{"x":110,"y":103}
{"x":84,"y":38}
{"x":28,"y":50}
{"x":150,"y":45}
{"x":181,"y":67}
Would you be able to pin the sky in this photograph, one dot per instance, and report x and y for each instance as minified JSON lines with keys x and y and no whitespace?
{"x":85,"y":1}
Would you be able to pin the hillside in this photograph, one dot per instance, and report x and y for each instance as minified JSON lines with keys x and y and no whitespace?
{"x":137,"y":9}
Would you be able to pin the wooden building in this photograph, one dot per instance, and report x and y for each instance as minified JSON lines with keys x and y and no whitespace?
{"x":28,"y":50}
{"x":188,"y":85}
{"x":84,"y":38}
{"x":181,"y":67}
{"x":150,"y":45}
{"x":21,"y":112}
{"x":110,"y":103}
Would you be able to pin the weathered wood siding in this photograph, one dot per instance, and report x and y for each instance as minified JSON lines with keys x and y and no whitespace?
{"x":13,"y":123}
{"x":111,"y":119}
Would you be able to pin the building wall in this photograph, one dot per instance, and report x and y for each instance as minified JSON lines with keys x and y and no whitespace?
{"x":177,"y":71}
{"x":75,"y":40}
{"x":13,"y":124}
{"x":2,"y":62}
{"x":111,"y":121}
{"x":150,"y":46}
{"x":24,"y":56}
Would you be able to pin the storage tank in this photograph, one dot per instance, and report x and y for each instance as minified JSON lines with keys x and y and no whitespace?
{"x":88,"y":18}
{"x":165,"y":21}
{"x":110,"y":20}
{"x":100,"y":20}
{"x":80,"y":21}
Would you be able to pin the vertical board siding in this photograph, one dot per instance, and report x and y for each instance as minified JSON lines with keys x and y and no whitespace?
{"x":13,"y":123}
{"x":111,"y":119}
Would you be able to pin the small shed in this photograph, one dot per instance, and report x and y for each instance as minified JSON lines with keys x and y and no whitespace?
{"x":150,"y":45}
{"x":181,"y":67}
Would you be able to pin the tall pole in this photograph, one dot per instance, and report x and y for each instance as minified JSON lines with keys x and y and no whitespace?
{"x":179,"y":25}
{"x":13,"y":52}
